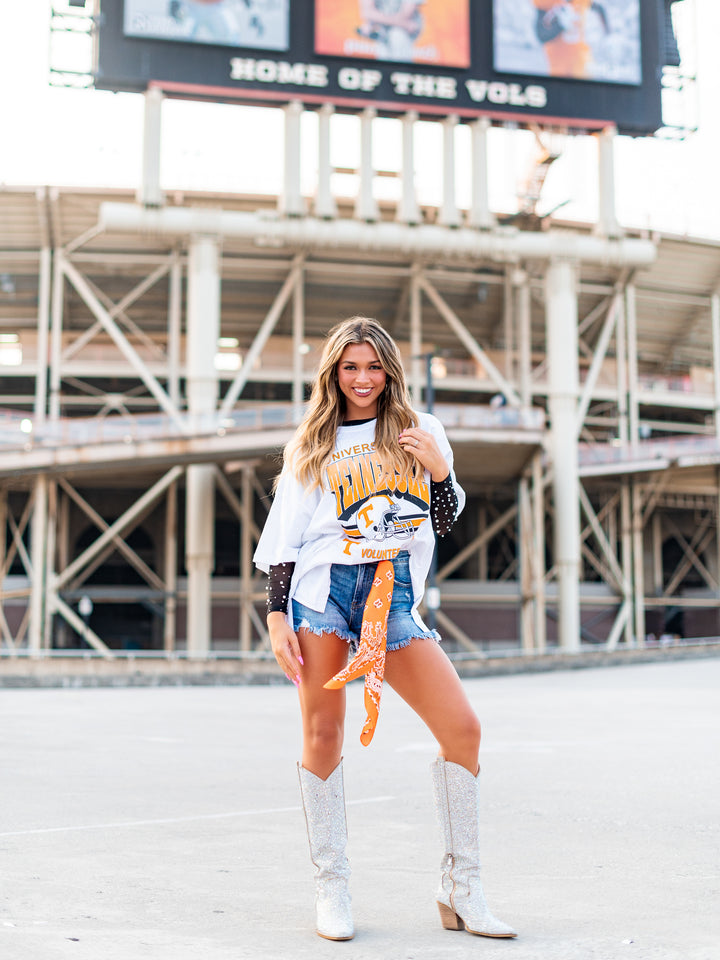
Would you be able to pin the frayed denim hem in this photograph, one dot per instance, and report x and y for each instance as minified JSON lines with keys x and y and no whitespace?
{"x":342,"y":634}
{"x":353,"y":641}
{"x":427,"y":635}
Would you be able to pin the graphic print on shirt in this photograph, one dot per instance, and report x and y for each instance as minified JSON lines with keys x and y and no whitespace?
{"x":377,"y":510}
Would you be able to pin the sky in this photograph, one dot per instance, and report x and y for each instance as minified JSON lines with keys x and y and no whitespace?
{"x":92,"y":138}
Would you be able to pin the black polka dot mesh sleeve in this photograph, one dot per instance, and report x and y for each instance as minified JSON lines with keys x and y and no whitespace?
{"x":443,"y":505}
{"x":278,"y":586}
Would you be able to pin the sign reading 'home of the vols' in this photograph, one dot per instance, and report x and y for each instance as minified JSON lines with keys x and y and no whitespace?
{"x":581,"y":64}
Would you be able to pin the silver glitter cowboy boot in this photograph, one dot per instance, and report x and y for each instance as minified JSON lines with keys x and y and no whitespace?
{"x":460,"y":899}
{"x":324,"y":805}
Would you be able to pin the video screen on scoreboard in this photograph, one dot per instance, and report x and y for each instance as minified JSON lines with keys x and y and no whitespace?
{"x":259,"y":24}
{"x":576,"y":39}
{"x":403,"y":31}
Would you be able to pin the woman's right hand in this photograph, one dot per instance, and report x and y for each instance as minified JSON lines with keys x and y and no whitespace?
{"x":285,"y":646}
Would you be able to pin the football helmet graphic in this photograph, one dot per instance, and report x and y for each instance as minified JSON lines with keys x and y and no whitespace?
{"x":378,"y":519}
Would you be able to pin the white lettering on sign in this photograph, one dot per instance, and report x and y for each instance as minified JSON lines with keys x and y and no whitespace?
{"x":279,"y":71}
{"x":350,"y":78}
{"x":510,"y":93}
{"x":367,"y":80}
{"x":424,"y":85}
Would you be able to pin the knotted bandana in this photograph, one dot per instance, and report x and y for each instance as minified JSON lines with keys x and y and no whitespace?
{"x":370,"y":657}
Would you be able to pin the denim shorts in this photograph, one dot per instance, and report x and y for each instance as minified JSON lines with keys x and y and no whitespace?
{"x":349,"y":588}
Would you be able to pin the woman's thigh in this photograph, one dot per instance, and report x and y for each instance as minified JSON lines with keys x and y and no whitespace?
{"x":424,"y":677}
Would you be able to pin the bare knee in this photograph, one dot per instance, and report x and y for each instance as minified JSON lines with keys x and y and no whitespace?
{"x":323,"y":736}
{"x":461,"y":741}
{"x":469,"y":732}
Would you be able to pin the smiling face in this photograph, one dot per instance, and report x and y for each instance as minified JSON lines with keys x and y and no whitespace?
{"x":361,"y":379}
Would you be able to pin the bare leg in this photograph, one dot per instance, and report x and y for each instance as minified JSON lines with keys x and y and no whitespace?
{"x":424,"y":677}
{"x":323,"y":711}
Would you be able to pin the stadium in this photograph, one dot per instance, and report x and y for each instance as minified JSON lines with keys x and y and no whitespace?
{"x":158,"y":347}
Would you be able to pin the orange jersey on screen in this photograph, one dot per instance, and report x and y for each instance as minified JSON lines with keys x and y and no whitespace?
{"x":568,"y":54}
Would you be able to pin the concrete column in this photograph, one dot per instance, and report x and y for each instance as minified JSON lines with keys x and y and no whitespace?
{"x":150,"y":194}
{"x":627,"y":553}
{"x":291,"y":202}
{"x":521,"y":282}
{"x":325,"y":205}
{"x":298,"y":340}
{"x":44,"y":295}
{"x":449,"y":213}
{"x":408,"y":210}
{"x":638,"y":563}
{"x":174,"y":340}
{"x":538,"y":507}
{"x":416,"y":363}
{"x":608,"y":225}
{"x":480,"y":215}
{"x":365,"y":206}
{"x":38,"y":533}
{"x":525,"y":551}
{"x":715,"y":326}
{"x":56,"y":322}
{"x":246,"y":564}
{"x":203,"y":329}
{"x":562,"y":351}
{"x":632,"y":366}
{"x":170,"y":571}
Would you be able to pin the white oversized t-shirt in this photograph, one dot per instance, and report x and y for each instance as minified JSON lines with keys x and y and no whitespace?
{"x":360,"y":514}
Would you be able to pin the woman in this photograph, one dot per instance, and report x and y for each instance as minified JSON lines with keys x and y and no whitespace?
{"x":348,"y":546}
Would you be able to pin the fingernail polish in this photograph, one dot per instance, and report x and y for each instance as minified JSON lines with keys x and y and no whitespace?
{"x":296,"y":683}
{"x":302,"y":662}
{"x":297,"y":679}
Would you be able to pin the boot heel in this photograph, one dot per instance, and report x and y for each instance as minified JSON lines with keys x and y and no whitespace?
{"x":449,"y":919}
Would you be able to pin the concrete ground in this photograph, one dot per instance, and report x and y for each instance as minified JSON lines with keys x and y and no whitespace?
{"x":164,"y":823}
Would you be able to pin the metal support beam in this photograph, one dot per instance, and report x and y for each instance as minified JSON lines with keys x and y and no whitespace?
{"x":562,"y":351}
{"x":120,"y":340}
{"x":118,"y":543}
{"x":469,"y":342}
{"x":598,"y":359}
{"x":261,"y":337}
{"x":117,"y":528}
{"x":506,"y":517}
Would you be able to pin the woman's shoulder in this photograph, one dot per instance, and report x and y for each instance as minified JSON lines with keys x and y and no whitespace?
{"x":428,"y":421}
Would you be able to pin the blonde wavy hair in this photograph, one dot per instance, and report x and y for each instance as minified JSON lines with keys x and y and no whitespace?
{"x":309,"y":450}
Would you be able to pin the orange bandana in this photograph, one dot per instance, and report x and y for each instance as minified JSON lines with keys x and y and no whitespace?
{"x":370,"y":657}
